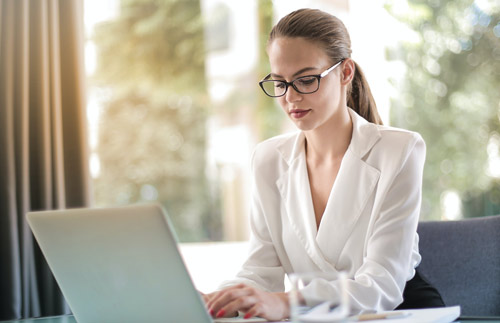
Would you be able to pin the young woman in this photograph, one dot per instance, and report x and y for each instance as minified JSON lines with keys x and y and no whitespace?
{"x":341,"y":194}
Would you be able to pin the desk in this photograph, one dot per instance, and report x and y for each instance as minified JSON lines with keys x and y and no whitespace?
{"x":51,"y":319}
{"x":71,"y":319}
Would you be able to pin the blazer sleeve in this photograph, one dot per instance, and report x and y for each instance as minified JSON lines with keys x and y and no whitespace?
{"x":263,"y":268}
{"x":390,"y":256}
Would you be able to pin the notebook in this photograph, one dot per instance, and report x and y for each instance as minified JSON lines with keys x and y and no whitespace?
{"x":118,"y":264}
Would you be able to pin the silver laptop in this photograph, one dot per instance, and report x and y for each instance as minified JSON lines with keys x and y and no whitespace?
{"x":118,"y":264}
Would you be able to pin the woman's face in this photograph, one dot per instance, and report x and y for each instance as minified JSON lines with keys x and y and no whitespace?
{"x":291,"y":58}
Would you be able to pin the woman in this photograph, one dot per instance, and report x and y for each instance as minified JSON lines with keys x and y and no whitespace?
{"x":342,"y":194}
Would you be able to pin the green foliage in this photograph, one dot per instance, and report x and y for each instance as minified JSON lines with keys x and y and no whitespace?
{"x":451,"y":96}
{"x":153,"y":44}
{"x":152,"y":127}
{"x":269,"y":116}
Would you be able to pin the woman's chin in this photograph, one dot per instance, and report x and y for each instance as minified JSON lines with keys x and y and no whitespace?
{"x":303,"y":126}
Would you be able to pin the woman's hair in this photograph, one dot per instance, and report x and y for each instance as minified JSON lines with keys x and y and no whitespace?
{"x":327,"y":30}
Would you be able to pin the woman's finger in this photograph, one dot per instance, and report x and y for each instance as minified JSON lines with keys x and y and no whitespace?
{"x":255,"y":310}
{"x":240,"y":304}
{"x":222,"y":298}
{"x":218,"y":294}
{"x":206,"y":298}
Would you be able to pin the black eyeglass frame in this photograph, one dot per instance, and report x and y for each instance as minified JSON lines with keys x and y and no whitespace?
{"x":287,"y":84}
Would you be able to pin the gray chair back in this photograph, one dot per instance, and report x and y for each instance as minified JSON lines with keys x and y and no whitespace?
{"x":462,"y":260}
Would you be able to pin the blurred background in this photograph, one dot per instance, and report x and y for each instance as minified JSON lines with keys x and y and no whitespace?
{"x":174,"y":109}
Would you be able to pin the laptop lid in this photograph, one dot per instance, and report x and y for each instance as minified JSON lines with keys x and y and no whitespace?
{"x":118,"y":264}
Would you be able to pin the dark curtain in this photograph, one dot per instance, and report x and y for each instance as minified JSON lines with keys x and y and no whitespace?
{"x":43,"y":149}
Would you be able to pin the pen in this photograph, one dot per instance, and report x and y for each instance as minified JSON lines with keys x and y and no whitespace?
{"x":381,"y":316}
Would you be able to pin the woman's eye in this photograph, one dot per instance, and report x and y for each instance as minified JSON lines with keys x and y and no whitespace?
{"x":306,"y":80}
{"x":279,"y":85}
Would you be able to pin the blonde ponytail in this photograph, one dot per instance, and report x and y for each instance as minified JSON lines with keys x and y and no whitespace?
{"x":360,"y":98}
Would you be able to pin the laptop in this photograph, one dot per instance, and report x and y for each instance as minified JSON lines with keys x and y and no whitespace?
{"x":118,"y":264}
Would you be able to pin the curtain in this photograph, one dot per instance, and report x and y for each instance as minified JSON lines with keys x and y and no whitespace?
{"x":43,"y":149}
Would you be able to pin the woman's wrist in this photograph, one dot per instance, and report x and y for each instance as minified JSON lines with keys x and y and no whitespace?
{"x":285,"y":302}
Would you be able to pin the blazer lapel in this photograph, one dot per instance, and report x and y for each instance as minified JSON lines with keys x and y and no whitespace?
{"x":294,"y":191}
{"x":293,"y":185}
{"x":355,"y":183}
{"x":353,"y":186}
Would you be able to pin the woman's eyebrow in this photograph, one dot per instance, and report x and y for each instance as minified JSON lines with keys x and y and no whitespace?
{"x":305,"y":69}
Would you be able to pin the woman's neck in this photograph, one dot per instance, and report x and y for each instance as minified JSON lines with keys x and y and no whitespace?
{"x":331,"y":140}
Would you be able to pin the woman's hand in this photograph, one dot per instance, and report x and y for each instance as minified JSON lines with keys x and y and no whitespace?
{"x":206,"y":297}
{"x":249,"y":300}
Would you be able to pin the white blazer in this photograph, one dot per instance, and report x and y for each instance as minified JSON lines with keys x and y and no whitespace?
{"x":368,"y":228}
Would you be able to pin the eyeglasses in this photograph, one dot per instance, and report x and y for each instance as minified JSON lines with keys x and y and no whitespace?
{"x":304,"y":84}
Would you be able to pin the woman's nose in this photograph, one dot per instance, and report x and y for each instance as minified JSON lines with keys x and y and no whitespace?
{"x":292,"y":95}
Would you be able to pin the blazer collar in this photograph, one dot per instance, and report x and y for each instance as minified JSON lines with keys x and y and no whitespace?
{"x":364,"y":136}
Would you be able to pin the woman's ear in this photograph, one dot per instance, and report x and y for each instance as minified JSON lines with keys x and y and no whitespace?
{"x":348,"y":70}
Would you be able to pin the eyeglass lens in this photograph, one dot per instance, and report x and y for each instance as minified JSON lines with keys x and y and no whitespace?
{"x":306,"y":84}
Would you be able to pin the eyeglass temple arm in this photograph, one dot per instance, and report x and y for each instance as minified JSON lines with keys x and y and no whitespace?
{"x":325,"y":73}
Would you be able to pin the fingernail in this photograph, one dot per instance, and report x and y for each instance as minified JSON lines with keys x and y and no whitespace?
{"x":211,"y":312}
{"x":247,"y":316}
{"x":220,"y":313}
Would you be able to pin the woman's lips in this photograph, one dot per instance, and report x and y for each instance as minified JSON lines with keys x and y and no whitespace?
{"x":297,"y":114}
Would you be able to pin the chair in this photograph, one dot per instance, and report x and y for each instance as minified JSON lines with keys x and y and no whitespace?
{"x":462,"y":260}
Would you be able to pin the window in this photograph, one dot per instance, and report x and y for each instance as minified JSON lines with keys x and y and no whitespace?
{"x":449,"y":94}
{"x":174,"y":107}
{"x":175,"y":110}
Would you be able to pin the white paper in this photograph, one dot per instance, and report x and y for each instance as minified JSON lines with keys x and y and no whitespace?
{"x":428,"y":315}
